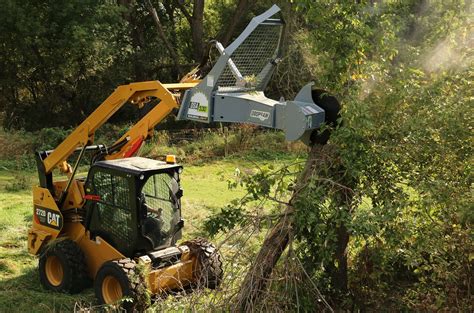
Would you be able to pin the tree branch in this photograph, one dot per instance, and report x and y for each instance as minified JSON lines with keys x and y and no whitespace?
{"x":183,"y":9}
{"x":161,"y":33}
{"x":240,"y":10}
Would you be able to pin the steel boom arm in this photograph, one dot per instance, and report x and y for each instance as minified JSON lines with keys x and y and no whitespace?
{"x":138,"y":94}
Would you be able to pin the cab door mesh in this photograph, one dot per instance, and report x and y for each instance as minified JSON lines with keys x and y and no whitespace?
{"x":113,"y":217}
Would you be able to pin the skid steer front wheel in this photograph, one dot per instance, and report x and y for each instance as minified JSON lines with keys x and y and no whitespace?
{"x":62,"y":267}
{"x":208,"y":271}
{"x":120,"y":282}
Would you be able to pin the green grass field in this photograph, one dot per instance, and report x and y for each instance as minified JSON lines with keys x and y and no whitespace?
{"x":205,"y":190}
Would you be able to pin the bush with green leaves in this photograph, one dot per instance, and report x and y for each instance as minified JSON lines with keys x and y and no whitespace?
{"x":49,"y":138}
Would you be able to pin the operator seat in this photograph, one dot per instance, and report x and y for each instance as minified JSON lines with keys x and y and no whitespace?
{"x":152,"y":225}
{"x":152,"y":230}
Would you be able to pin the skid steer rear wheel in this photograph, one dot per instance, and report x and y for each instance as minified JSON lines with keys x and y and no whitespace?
{"x":120,"y":279}
{"x":208,"y":272}
{"x":62,"y":267}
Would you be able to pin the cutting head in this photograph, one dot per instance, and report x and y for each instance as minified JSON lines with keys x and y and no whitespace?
{"x":233,"y":89}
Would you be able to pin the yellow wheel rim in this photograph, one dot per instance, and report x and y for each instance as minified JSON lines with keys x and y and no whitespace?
{"x":54,"y":270}
{"x":111,"y":290}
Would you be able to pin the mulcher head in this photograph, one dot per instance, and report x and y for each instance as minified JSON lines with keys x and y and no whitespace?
{"x":233,"y":89}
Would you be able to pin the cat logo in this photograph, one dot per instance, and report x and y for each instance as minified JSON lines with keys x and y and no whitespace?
{"x":53,"y":219}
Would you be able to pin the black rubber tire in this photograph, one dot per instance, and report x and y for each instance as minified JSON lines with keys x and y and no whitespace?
{"x":75,"y":276}
{"x":208,"y":272}
{"x":332,"y":109}
{"x":133,"y":283}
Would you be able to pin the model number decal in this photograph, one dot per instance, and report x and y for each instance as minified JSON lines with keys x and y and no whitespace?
{"x":48,"y":218}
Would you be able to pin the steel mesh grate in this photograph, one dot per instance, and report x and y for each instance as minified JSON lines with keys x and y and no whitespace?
{"x":114,"y":207}
{"x":118,"y":223}
{"x":112,"y":190}
{"x":251,"y":57}
{"x":103,"y":186}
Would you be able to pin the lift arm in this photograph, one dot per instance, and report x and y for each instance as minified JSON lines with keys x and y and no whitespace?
{"x":143,"y":129}
{"x":136,"y":93}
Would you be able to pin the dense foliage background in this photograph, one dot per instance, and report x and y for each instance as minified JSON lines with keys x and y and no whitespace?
{"x":400,"y":235}
{"x":403,"y":71}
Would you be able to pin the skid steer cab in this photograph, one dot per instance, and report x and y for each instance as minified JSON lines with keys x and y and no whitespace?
{"x":132,"y":223}
{"x":134,"y":204}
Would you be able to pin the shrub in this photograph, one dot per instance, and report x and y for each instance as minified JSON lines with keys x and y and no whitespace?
{"x":15,"y":143}
{"x":49,"y":138}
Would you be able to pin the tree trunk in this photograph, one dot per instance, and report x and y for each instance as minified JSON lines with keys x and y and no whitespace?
{"x":344,"y":199}
{"x":257,"y":277}
{"x":196,"y":23}
{"x":137,"y":36}
{"x":339,"y":273}
{"x":321,"y":158}
{"x":161,"y":33}
{"x":275,"y":243}
{"x":197,"y":30}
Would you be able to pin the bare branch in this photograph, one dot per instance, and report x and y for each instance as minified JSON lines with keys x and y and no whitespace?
{"x":161,"y":32}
